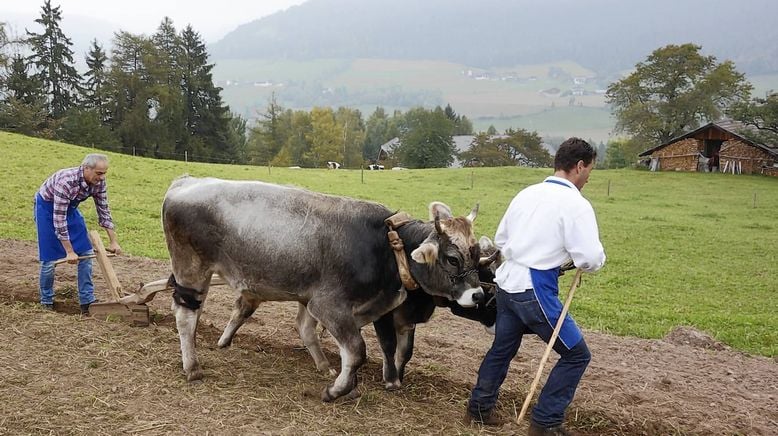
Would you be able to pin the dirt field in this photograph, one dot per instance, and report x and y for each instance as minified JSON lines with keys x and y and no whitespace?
{"x":61,"y":374}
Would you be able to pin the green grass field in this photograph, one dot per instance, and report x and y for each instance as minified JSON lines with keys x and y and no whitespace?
{"x":683,"y":248}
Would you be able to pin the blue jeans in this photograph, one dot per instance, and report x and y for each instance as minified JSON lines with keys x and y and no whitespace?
{"x":519,"y":314}
{"x":86,"y":289}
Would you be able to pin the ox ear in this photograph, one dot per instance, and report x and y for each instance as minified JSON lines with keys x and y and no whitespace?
{"x":473,"y":213}
{"x":485,"y":244}
{"x":440,"y":210}
{"x":426,"y":253}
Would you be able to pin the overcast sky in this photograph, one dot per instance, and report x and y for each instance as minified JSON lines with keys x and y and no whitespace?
{"x":213,"y":19}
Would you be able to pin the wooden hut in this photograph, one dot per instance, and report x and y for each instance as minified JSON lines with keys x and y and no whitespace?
{"x":715,"y":147}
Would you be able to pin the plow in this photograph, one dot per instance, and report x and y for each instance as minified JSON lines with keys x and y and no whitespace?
{"x":124,"y":306}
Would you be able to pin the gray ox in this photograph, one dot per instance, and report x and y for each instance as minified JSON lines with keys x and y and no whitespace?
{"x":276,"y":243}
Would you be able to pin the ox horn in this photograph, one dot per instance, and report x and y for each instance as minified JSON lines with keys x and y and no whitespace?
{"x":438,"y":226}
{"x":473,"y":213}
{"x":484,"y":261}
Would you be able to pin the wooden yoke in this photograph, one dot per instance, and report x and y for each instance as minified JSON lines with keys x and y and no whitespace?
{"x":398,"y":220}
{"x":105,"y":265}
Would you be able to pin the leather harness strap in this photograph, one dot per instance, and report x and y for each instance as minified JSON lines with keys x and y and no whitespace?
{"x":393,"y":222}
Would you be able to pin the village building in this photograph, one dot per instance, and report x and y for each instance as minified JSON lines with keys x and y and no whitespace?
{"x":717,"y":146}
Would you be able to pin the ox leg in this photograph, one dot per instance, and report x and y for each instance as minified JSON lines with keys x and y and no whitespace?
{"x":306,"y":327}
{"x":243,"y":309}
{"x":387,"y":338}
{"x":187,"y":307}
{"x":405,"y":338}
{"x":344,"y":329}
{"x":396,"y":339}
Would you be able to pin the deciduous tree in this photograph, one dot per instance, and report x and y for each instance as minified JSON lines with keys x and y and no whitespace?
{"x":673,"y":91}
{"x":526,"y":148}
{"x":487,"y":150}
{"x":425,"y":139}
{"x":762,"y":114}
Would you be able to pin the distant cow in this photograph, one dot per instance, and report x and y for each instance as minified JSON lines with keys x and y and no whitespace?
{"x":375,"y":167}
{"x":333,"y":165}
{"x":278,"y":243}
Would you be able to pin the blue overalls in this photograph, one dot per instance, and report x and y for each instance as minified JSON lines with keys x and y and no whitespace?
{"x":50,"y":249}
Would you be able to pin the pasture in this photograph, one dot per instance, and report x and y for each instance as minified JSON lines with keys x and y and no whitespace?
{"x":683,"y":249}
{"x":694,"y":250}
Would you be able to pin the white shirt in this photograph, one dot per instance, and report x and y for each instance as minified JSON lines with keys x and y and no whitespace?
{"x":545,"y":225}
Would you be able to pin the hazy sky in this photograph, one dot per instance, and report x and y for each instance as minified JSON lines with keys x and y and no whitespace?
{"x":213,"y":19}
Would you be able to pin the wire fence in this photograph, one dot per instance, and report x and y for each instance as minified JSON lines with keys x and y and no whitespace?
{"x":187,"y":156}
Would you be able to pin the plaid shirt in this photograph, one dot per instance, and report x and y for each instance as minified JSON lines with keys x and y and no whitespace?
{"x":67,"y":185}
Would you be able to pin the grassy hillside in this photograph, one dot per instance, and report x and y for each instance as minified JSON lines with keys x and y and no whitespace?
{"x":683,"y":249}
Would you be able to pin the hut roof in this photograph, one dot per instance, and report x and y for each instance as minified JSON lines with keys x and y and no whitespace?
{"x":730,"y":126}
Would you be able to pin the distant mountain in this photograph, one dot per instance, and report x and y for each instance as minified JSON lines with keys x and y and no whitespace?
{"x":603,"y":35}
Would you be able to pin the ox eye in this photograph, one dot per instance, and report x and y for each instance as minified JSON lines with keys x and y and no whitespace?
{"x":453,"y":261}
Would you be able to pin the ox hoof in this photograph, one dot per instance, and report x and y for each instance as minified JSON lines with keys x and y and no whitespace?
{"x":325,"y":368}
{"x":195,"y":376}
{"x":353,"y":395}
{"x":326,"y":396}
{"x":393,"y":386}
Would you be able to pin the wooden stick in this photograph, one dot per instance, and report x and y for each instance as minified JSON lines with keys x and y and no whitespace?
{"x":550,"y":345}
{"x":105,"y":265}
{"x":91,"y":256}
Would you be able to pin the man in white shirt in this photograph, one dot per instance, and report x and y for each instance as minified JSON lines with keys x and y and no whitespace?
{"x":545,"y":225}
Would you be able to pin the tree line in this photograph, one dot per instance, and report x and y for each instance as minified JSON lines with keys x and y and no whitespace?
{"x":153,"y":96}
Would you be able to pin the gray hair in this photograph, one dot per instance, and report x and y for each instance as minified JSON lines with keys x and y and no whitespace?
{"x":91,"y":160}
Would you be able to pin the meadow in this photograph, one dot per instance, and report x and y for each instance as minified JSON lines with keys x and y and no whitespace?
{"x":683,"y":248}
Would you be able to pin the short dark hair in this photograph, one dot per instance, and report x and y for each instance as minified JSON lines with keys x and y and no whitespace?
{"x":571,"y":151}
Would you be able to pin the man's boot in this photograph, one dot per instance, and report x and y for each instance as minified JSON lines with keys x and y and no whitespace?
{"x":557,"y":430}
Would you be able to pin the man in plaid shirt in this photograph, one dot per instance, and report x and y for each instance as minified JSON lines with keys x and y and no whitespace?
{"x":61,"y":228}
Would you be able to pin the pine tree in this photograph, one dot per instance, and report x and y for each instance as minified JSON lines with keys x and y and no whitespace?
{"x":20,"y":84}
{"x":267,"y":138}
{"x":165,"y":73}
{"x":206,"y":117}
{"x":53,"y":59}
{"x":95,"y":92}
{"x":4,"y":42}
{"x":130,"y":94}
{"x":23,"y":110}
